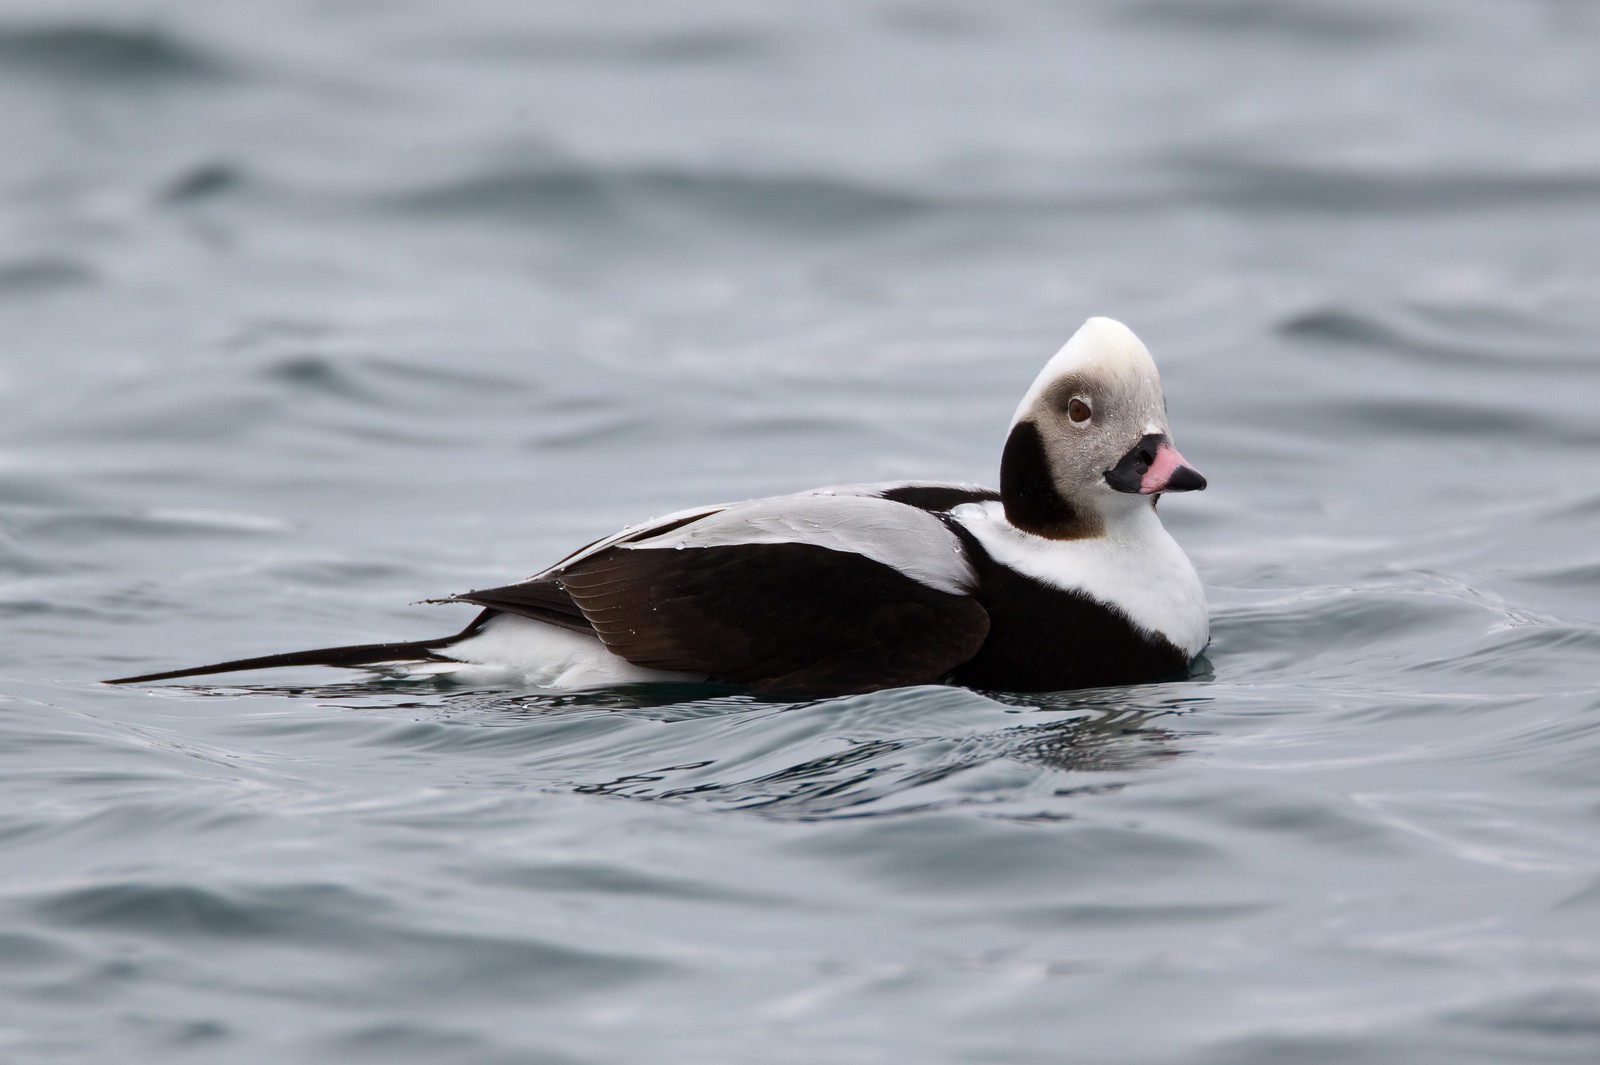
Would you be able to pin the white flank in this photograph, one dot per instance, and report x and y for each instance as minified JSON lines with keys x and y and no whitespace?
{"x":1137,"y":568}
{"x":514,"y":649}
{"x":903,"y":538}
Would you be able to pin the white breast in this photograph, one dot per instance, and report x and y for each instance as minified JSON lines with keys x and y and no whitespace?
{"x":1137,"y":568}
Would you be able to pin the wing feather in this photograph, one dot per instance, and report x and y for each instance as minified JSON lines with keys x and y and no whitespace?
{"x":791,"y":618}
{"x":818,"y":593}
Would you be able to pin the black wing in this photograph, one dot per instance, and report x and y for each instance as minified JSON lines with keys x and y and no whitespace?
{"x":781,"y":618}
{"x":541,"y":598}
{"x":841,"y":590}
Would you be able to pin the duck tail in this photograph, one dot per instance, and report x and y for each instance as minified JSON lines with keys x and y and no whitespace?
{"x":361,"y":654}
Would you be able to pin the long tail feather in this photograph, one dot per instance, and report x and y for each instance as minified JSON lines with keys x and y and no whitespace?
{"x":363,"y":654}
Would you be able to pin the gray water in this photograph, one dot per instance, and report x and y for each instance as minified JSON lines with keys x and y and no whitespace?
{"x":310,"y":310}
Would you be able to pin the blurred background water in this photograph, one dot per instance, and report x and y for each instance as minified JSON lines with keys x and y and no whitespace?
{"x":312,"y":309}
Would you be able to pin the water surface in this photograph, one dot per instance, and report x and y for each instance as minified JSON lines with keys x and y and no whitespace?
{"x":312,"y":310}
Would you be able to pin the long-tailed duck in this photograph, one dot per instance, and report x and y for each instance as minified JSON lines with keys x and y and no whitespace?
{"x":1064,"y":578}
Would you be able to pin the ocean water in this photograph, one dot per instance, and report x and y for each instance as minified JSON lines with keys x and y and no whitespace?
{"x":311,"y":310}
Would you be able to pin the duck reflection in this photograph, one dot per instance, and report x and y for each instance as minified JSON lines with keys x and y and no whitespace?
{"x":888,"y":753}
{"x":914,"y":768}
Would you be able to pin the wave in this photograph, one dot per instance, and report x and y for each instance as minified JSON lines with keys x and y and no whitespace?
{"x":89,"y":52}
{"x":1260,"y":186}
{"x":589,"y":194}
{"x":685,"y":47}
{"x":38,"y":274}
{"x":1452,"y":335}
{"x":574,"y":194}
{"x":1311,"y":23}
{"x":887,"y":754}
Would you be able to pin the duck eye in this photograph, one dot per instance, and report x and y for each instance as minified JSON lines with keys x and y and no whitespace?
{"x":1078,"y":410}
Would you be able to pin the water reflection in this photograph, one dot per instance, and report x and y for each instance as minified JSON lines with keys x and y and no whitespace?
{"x":887,"y":753}
{"x":905,"y":765}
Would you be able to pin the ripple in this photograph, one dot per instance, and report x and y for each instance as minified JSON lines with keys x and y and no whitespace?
{"x":1547,"y":650}
{"x":577,"y":196}
{"x":424,"y":1042}
{"x":178,"y":909}
{"x":1450,"y":418}
{"x":1102,"y":915}
{"x":828,"y":767}
{"x":1261,"y":186}
{"x":688,"y":47}
{"x":327,"y":916}
{"x":1457,"y":336}
{"x":583,"y":878}
{"x":68,"y":525}
{"x":319,"y":374}
{"x":88,"y":53}
{"x":948,"y":854}
{"x":886,"y":754}
{"x":28,"y":953}
{"x":382,"y":385}
{"x":1304,"y":22}
{"x":1569,"y":1017}
{"x":207,"y":181}
{"x":1580,"y":575}
{"x":1342,"y":625}
{"x":45,"y":273}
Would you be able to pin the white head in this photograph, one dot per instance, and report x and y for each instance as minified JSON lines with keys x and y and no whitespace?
{"x":1089,"y":442}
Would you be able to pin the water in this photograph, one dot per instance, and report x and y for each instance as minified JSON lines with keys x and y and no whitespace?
{"x":311,"y":310}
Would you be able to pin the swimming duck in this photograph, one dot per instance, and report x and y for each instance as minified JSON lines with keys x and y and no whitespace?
{"x":1063,"y":578}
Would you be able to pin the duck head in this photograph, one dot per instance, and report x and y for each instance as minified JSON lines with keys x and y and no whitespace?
{"x":1089,"y":444}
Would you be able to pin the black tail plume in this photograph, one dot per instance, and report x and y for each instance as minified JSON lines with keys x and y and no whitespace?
{"x":363,"y":654}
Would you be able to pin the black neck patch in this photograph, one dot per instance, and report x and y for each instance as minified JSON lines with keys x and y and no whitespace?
{"x":1028,"y":489}
{"x":1043,"y":638}
{"x":935,"y":498}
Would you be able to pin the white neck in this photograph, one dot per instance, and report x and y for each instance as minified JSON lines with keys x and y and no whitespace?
{"x":1136,"y":567}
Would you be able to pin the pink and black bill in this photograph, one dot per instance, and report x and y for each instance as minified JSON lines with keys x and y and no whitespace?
{"x":1154,"y":465}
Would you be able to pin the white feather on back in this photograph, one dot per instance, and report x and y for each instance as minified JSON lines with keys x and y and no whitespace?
{"x":903,"y":538}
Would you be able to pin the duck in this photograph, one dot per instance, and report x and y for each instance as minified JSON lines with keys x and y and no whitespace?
{"x":1063,"y":578}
